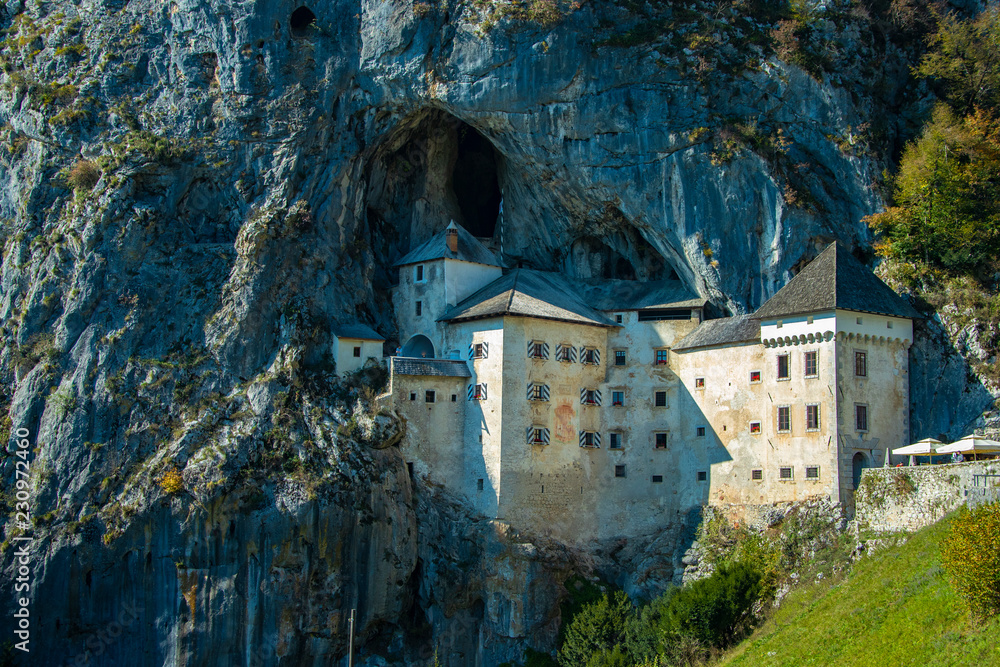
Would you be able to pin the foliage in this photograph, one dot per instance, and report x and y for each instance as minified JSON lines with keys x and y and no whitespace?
{"x":947,"y":197}
{"x":963,"y":58}
{"x":171,"y":482}
{"x":971,"y":556}
{"x":598,"y":626}
{"x":893,"y":607}
{"x":83,"y":175}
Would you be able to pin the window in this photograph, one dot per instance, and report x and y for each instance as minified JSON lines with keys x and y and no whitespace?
{"x":702,"y":475}
{"x":538,"y":350}
{"x":477,"y":392}
{"x":809,"y":320}
{"x":810,"y":363}
{"x":615,"y":441}
{"x":619,"y":357}
{"x":590,"y":396}
{"x":784,"y":419}
{"x":699,"y":431}
{"x":861,"y":320}
{"x":357,"y":351}
{"x":754,"y":377}
{"x":590,"y":355}
{"x":860,"y":363}
{"x":699,"y":383}
{"x":479,"y":484}
{"x":657,"y":479}
{"x":662,"y":357}
{"x":888,"y":324}
{"x":784,"y":367}
{"x":566,"y":353}
{"x":812,"y":472}
{"x":429,"y":396}
{"x":779,"y":324}
{"x":619,"y":318}
{"x":538,"y":392}
{"x":618,"y":397}
{"x":660,"y":440}
{"x":619,"y":471}
{"x":660,"y":314}
{"x":757,"y":475}
{"x":479,"y":350}
{"x":413,"y":395}
{"x":590,"y":439}
{"x":754,"y":428}
{"x":861,"y":417}
{"x":660,"y":399}
{"x":454,"y":398}
{"x":420,"y":308}
{"x":812,"y":417}
{"x":785,"y":473}
{"x":420,"y":273}
{"x":538,"y":435}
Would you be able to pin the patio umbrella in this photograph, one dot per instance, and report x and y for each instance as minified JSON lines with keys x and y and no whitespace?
{"x":925,"y":447}
{"x":971,"y":444}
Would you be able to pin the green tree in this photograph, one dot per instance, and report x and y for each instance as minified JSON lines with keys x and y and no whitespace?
{"x":963,"y":56}
{"x":599,"y":626}
{"x":971,"y":555}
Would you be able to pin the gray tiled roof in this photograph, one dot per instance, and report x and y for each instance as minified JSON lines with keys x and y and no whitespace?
{"x":527,"y":293}
{"x":356,"y":330}
{"x":635,"y":295}
{"x":723,"y":331}
{"x":440,"y":367}
{"x":835,"y":279}
{"x":436,"y":247}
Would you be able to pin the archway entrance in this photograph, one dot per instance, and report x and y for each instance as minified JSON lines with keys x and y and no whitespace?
{"x":860,"y":463}
{"x":419,"y":347}
{"x":302,"y":22}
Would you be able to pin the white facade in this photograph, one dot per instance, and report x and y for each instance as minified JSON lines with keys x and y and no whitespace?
{"x":350,"y":354}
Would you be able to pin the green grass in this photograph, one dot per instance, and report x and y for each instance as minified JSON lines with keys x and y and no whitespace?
{"x":894,"y":608}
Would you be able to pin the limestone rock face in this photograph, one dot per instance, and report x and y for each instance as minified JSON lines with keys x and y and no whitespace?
{"x":192,"y":192}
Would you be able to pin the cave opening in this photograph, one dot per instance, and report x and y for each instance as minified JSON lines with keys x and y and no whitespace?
{"x":302,"y":22}
{"x":475,"y":181}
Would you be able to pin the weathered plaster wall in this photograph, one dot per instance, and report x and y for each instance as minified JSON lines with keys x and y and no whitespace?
{"x":430,"y":292}
{"x":462,"y":279}
{"x":435,"y":432}
{"x":909,"y":498}
{"x":344,"y":353}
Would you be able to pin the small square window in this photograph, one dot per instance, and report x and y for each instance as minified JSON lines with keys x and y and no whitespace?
{"x":785,"y":473}
{"x":754,"y":377}
{"x":590,"y":355}
{"x":784,"y":367}
{"x":413,"y":395}
{"x":812,"y":417}
{"x":888,"y":324}
{"x":702,"y":475}
{"x":590,"y":439}
{"x":662,"y":357}
{"x":538,"y":350}
{"x":784,"y":419}
{"x":454,"y":398}
{"x":420,"y":308}
{"x":860,"y":363}
{"x":657,"y":479}
{"x":565,"y":353}
{"x":757,"y":475}
{"x":810,"y":362}
{"x":619,"y":357}
{"x":812,"y":472}
{"x":619,"y":318}
{"x":809,"y":320}
{"x":861,"y":418}
{"x":861,"y":320}
{"x":779,"y":324}
{"x":420,"y":273}
{"x":357,"y":352}
{"x":754,"y":428}
{"x":616,"y":440}
{"x":699,"y":383}
{"x":479,"y":484}
{"x":699,"y":431}
{"x":660,"y":440}
{"x":660,"y":399}
{"x":619,"y":471}
{"x":477,"y":392}
{"x":480,"y":351}
{"x":618,"y":397}
{"x":429,"y":396}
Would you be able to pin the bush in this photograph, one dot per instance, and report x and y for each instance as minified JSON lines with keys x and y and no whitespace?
{"x":84,"y":175}
{"x":712,"y":610}
{"x":971,"y":555}
{"x":172,"y":482}
{"x":597,"y":627}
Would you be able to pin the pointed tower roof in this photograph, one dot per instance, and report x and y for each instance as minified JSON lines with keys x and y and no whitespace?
{"x":835,"y":279}
{"x":436,"y":247}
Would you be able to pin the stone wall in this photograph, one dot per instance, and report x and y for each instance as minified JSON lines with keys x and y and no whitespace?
{"x":909,"y":498}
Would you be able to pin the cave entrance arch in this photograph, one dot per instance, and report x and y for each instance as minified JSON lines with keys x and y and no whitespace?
{"x":860,"y":462}
{"x":302,"y":22}
{"x":475,"y":182}
{"x":418,"y":346}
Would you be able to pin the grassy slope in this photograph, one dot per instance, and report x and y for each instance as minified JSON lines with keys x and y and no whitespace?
{"x":894,"y":608}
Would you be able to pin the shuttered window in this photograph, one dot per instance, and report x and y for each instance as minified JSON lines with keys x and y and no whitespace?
{"x":590,"y":439}
{"x":479,"y":350}
{"x":566,"y":353}
{"x":590,"y":355}
{"x":537,"y":435}
{"x":477,"y":392}
{"x":590,"y":396}
{"x":538,"y":350}
{"x":538,"y":392}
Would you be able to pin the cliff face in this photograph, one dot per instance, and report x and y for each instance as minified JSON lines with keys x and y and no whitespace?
{"x":193,"y":191}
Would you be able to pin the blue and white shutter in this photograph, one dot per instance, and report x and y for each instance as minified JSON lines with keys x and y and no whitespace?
{"x":530,"y":435}
{"x":545,"y":350}
{"x":597,"y":439}
{"x":545,"y":436}
{"x":583,"y":396}
{"x":597,"y":396}
{"x":545,"y":392}
{"x":472,"y":391}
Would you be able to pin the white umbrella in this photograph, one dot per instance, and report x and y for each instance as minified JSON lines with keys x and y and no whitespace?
{"x":925,"y":447}
{"x":971,"y":444}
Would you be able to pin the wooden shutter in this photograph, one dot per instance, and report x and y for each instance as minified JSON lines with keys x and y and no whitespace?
{"x":545,"y":392}
{"x":545,"y":436}
{"x":583,"y":438}
{"x":472,"y":391}
{"x":597,"y":356}
{"x":597,"y":438}
{"x":583,"y":396}
{"x":545,"y":350}
{"x":472,"y":350}
{"x":483,"y":391}
{"x":530,"y":435}
{"x":486,"y":350}
{"x":597,"y":396}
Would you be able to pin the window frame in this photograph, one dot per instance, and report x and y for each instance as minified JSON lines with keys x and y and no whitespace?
{"x":787,"y":357}
{"x":759,"y":377}
{"x":861,"y":363}
{"x":618,"y":403}
{"x":620,"y":470}
{"x":430,"y":396}
{"x":702,"y":476}
{"x":758,"y":425}
{"x":788,"y":418}
{"x":656,"y":395}
{"x":480,"y":351}
{"x":538,"y":391}
{"x":591,"y":397}
{"x":859,"y":409}
{"x":537,"y":349}
{"x":814,"y":354}
{"x":590,"y":356}
{"x":623,"y":354}
{"x":620,"y":437}
{"x":818,"y":423}
{"x":757,"y":475}
{"x":590,"y":439}
{"x":656,"y":479}
{"x":699,"y":383}
{"x":657,"y":435}
{"x":419,"y":309}
{"x":813,"y":478}
{"x":478,"y":392}
{"x":419,"y":274}
{"x":781,"y":473}
{"x":665,"y":352}
{"x":700,"y":431}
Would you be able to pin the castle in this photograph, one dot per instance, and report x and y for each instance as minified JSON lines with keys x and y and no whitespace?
{"x":592,"y":410}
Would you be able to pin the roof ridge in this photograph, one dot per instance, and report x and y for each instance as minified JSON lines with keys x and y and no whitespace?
{"x":513,"y":290}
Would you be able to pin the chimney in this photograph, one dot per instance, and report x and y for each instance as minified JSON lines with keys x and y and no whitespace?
{"x":452,"y":237}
